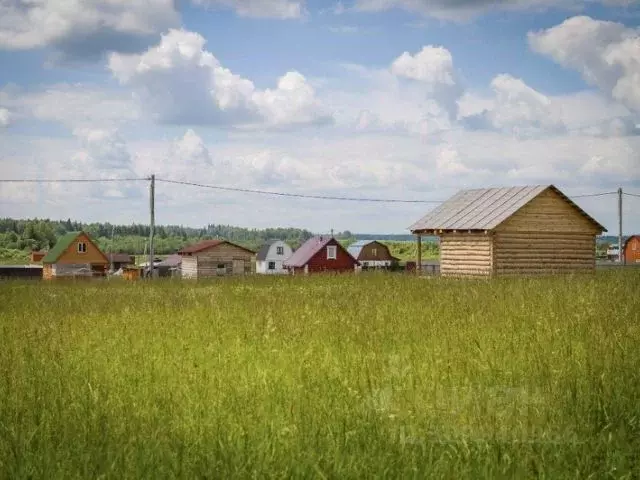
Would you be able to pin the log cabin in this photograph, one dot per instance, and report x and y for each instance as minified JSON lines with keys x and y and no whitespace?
{"x":517,"y":230}
{"x":215,"y":258}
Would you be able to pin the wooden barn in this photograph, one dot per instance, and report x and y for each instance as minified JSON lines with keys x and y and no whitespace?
{"x":518,"y":230}
{"x":372,"y":254}
{"x":321,"y":254}
{"x":74,"y":255}
{"x":631,"y":249}
{"x":215,"y":258}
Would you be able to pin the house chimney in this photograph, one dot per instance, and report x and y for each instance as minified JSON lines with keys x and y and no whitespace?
{"x":332,"y":233}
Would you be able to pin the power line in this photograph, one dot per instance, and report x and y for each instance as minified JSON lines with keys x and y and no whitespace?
{"x":70,"y":180}
{"x":297,"y":195}
{"x":593,"y":195}
{"x":631,"y":194}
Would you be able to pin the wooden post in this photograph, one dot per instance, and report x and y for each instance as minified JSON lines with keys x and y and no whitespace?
{"x":620,"y":252}
{"x":419,"y":265}
{"x":152,"y":218}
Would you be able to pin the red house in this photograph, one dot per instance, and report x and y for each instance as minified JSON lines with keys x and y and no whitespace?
{"x":321,"y":254}
{"x":631,"y":249}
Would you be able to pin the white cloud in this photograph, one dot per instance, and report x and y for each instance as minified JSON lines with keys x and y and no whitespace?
{"x":283,"y":9}
{"x":607,"y":54}
{"x":73,"y":105}
{"x":84,"y":28}
{"x":180,"y":82}
{"x":463,"y":10}
{"x":433,"y":68}
{"x":518,"y":109}
{"x":5,"y":117}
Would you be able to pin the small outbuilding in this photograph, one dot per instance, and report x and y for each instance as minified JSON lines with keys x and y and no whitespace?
{"x":631,"y":250}
{"x":372,"y":254}
{"x":215,"y":258}
{"x":75,"y":254}
{"x":321,"y":254}
{"x":120,"y":260}
{"x":271,"y":256}
{"x":517,"y":230}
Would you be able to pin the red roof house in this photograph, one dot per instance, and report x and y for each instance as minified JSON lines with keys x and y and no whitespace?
{"x":321,"y":254}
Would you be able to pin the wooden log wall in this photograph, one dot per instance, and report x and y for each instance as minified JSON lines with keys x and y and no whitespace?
{"x":236,"y":261}
{"x":465,"y":254}
{"x":543,"y":253}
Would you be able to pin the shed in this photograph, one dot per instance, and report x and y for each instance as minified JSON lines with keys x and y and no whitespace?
{"x":215,"y":258}
{"x":631,"y":249}
{"x":372,"y":254}
{"x":120,"y":260}
{"x":271,"y":256}
{"x":74,"y":255}
{"x":514,"y":230}
{"x":321,"y":254}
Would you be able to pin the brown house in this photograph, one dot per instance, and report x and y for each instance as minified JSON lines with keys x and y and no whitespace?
{"x":519,"y":230}
{"x":631,"y":250}
{"x":320,"y":254}
{"x":372,"y":254}
{"x":74,"y":255}
{"x":215,"y":258}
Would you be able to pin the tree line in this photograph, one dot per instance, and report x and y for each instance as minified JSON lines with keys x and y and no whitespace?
{"x":39,"y":234}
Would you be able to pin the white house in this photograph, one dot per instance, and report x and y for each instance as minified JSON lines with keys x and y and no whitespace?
{"x":271,"y":256}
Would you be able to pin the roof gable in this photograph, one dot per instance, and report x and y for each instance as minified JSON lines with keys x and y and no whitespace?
{"x":310,"y":248}
{"x":207,"y":244}
{"x":486,"y":208}
{"x":63,"y":244}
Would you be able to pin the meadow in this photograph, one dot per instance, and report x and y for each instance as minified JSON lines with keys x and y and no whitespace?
{"x":369,"y":376}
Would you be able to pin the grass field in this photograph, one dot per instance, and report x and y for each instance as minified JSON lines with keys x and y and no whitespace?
{"x":323,"y":377}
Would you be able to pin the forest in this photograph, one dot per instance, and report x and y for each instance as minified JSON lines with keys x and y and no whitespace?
{"x":19,"y":237}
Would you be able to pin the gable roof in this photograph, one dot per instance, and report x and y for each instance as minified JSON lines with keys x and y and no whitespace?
{"x":308,"y":249}
{"x":486,"y":208}
{"x":206,"y":244}
{"x":626,"y":242}
{"x":63,"y":244}
{"x":356,"y":247}
{"x":264,"y":250}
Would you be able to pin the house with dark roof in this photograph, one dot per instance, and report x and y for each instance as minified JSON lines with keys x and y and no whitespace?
{"x":321,"y":254}
{"x":271,"y":256}
{"x":120,"y":260}
{"x":75,"y":254}
{"x":372,"y":254}
{"x":215,"y":258}
{"x":518,"y":230}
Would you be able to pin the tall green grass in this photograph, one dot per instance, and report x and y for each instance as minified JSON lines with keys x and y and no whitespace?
{"x":322,"y":377}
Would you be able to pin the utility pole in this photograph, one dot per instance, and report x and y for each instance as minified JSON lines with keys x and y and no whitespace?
{"x":152,"y":220}
{"x":620,"y":253}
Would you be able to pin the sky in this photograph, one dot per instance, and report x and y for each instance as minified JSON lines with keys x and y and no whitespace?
{"x":387,"y":99}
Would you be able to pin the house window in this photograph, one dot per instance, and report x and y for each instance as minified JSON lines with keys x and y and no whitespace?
{"x":272,"y":265}
{"x":374,"y":252}
{"x":280,"y":250}
{"x":82,"y":247}
{"x":332,"y":252}
{"x":221,"y":266}
{"x":634,"y":246}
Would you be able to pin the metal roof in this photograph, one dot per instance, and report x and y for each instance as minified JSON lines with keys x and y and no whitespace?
{"x":485,"y":208}
{"x":307,"y":250}
{"x":206,"y":244}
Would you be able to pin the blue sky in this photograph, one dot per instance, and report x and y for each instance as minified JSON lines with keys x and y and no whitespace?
{"x":386,"y":98}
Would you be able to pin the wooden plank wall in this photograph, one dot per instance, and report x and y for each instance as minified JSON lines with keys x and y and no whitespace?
{"x":237,"y":261}
{"x":465,"y":254}
{"x":543,"y":252}
{"x":189,"y":267}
